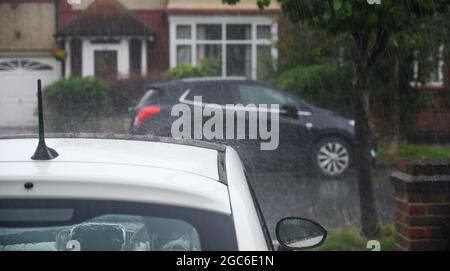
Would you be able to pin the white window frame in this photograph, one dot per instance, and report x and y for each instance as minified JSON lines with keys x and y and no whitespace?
{"x":223,"y":20}
{"x":439,"y":83}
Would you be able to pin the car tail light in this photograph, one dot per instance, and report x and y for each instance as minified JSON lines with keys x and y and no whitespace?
{"x":145,"y":113}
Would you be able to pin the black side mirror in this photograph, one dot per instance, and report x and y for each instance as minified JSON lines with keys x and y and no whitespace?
{"x":299,"y":233}
{"x":289,"y":110}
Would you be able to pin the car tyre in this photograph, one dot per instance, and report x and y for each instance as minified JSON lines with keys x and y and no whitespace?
{"x":331,"y":157}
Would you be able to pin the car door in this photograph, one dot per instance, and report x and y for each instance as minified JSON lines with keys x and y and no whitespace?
{"x":214,"y":95}
{"x":290,"y":150}
{"x":301,"y":131}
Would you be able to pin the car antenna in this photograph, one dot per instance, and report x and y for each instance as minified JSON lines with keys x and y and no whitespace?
{"x":42,"y":151}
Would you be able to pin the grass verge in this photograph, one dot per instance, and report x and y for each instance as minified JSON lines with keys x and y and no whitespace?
{"x":411,"y":152}
{"x":349,"y":239}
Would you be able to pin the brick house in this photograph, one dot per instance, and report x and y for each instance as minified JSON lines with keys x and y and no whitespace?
{"x":124,"y":38}
{"x":112,"y":38}
{"x":148,"y":37}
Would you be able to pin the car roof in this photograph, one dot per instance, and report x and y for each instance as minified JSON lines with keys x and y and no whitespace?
{"x":174,"y":84}
{"x":122,"y":149}
{"x":213,"y":78}
{"x":176,"y":172}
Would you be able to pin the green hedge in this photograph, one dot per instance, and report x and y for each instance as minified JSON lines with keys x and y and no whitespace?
{"x":126,"y":93}
{"x":325,"y":85}
{"x":76,"y":104}
{"x":350,"y":239}
{"x":207,"y":67}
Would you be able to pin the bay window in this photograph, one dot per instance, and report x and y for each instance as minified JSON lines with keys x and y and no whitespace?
{"x":236,"y":46}
{"x":183,"y":54}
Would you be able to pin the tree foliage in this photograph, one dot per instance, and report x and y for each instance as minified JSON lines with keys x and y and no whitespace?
{"x":324,"y":85}
{"x":370,"y":28}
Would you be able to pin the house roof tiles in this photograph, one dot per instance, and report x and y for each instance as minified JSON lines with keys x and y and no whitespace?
{"x":106,"y":18}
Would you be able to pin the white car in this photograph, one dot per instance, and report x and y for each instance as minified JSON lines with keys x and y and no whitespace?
{"x":134,"y":193}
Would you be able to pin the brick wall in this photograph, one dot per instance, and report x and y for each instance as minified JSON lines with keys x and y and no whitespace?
{"x":430,"y":125}
{"x":158,"y":52}
{"x":422,"y":203}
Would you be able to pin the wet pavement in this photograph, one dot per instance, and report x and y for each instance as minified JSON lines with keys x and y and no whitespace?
{"x":333,"y":203}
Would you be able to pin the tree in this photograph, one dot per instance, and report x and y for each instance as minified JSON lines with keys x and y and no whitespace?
{"x":418,"y":45}
{"x":370,"y":28}
{"x":305,"y":45}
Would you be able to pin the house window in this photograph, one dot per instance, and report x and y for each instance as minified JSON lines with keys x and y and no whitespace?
{"x":264,"y":64}
{"x":239,"y":60}
{"x":436,"y":77}
{"x":183,"y":54}
{"x":239,"y":32}
{"x":236,"y":46}
{"x":209,"y":32}
{"x":105,"y":64}
{"x":209,"y":45}
{"x":263,"y":32}
{"x":183,"y":32}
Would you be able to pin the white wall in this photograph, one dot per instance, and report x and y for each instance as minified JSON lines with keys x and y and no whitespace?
{"x":123,"y":56}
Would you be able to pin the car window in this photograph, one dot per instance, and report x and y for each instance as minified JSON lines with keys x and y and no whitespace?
{"x":254,"y":94}
{"x":118,"y":227}
{"x":106,"y":232}
{"x":211,"y":93}
{"x":150,"y":96}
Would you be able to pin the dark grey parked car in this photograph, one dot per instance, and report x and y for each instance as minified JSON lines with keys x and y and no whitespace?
{"x":310,"y":137}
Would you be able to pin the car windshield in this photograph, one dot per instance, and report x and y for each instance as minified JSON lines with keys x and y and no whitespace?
{"x":332,"y":107}
{"x":112,"y":226}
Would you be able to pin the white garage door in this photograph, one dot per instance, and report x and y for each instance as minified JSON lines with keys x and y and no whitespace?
{"x":18,"y":85}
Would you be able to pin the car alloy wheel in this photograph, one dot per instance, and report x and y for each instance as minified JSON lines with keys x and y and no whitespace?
{"x":332,"y":157}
